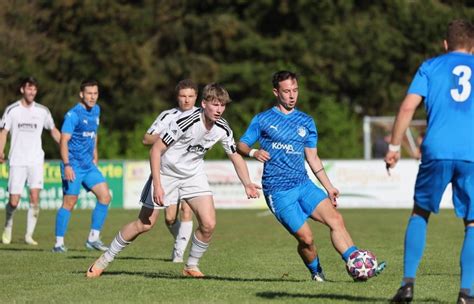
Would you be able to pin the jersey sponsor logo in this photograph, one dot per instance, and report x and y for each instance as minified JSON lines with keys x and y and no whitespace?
{"x":28,"y":127}
{"x":197,"y":149}
{"x":302,"y":131}
{"x":287,"y":147}
{"x":88,"y":134}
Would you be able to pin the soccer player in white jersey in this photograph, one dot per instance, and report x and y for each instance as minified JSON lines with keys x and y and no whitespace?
{"x":177,"y":173}
{"x":25,"y":120}
{"x":181,"y":229}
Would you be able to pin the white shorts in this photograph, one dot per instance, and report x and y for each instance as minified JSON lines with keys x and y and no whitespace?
{"x":18,"y":175}
{"x":175,"y":189}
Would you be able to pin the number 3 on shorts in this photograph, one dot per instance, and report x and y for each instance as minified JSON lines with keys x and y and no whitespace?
{"x":464,"y":72}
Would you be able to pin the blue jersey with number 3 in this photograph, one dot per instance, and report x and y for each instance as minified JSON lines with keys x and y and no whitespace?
{"x":446,"y":83}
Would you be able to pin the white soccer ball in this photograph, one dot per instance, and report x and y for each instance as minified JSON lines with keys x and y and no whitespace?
{"x":362,"y":265}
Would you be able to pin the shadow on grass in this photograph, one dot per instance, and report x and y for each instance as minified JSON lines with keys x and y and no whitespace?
{"x":336,"y":297}
{"x":84,"y":257}
{"x":178,"y":276}
{"x":22,"y":249}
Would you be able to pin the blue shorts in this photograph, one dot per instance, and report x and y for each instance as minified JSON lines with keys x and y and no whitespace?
{"x":87,"y":178}
{"x":435,"y":175}
{"x":293,"y":207}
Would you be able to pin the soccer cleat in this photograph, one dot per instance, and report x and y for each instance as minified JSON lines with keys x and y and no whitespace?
{"x":7,"y":236}
{"x":59,"y":249}
{"x":192,"y":271}
{"x":97,"y":245}
{"x":380,"y":267}
{"x":404,"y":294}
{"x":96,"y":269}
{"x":318,"y":277}
{"x":177,"y":256}
{"x":465,"y":299}
{"x":29,"y":240}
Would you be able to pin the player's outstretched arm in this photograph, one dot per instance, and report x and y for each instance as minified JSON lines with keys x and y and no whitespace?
{"x":64,"y":151}
{"x":260,"y":154}
{"x":3,"y":142}
{"x":242,"y":171}
{"x":55,"y":134}
{"x":404,"y":117}
{"x":317,"y":167}
{"x":156,"y":151}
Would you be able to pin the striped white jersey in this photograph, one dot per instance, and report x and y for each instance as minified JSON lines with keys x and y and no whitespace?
{"x":25,"y":125}
{"x":163,"y":120}
{"x":188,"y":140}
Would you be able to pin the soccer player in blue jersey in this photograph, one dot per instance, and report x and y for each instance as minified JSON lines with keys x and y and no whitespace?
{"x":287,"y":138}
{"x":78,"y":147}
{"x":447,"y":152}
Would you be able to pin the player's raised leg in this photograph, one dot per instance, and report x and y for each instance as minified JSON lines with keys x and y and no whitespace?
{"x":307,"y":251}
{"x":146,"y":220}
{"x":99,"y":214}
{"x":203,"y":208}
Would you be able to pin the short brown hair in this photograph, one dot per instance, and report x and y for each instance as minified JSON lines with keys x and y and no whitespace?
{"x":89,"y":83}
{"x":215,"y":91}
{"x":30,"y":80}
{"x":460,"y":35}
{"x":185,"y":84}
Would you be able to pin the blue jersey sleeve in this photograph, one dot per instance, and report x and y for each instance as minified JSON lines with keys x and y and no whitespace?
{"x":70,"y":122}
{"x":252,"y":134}
{"x":312,"y":139}
{"x":419,"y":84}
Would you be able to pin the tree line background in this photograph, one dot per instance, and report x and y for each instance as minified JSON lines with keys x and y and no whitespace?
{"x":353,"y":58}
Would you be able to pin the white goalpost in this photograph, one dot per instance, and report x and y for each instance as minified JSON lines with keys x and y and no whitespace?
{"x":377,"y":128}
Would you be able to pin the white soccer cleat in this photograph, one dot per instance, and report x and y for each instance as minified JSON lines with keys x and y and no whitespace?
{"x":7,"y":236}
{"x":177,"y":256}
{"x":29,"y":240}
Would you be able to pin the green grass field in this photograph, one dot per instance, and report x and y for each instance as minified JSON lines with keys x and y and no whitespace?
{"x":251,"y":259}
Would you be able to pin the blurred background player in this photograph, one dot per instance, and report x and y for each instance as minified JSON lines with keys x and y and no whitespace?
{"x":447,"y":152}
{"x":287,"y":138}
{"x":25,"y":120}
{"x":177,"y":173}
{"x":186,"y":94}
{"x":78,"y":147}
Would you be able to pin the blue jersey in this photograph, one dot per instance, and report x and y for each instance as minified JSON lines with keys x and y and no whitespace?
{"x":82,"y":125}
{"x":284,"y":136}
{"x":446,"y":84}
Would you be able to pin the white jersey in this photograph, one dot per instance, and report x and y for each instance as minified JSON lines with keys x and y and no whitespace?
{"x":25,"y":125}
{"x":188,"y":140}
{"x":163,"y":120}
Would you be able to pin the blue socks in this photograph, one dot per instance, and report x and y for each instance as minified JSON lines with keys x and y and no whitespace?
{"x":415,"y":239}
{"x":99,"y":214}
{"x":467,"y":261}
{"x":62,"y":220}
{"x":348,"y":252}
{"x":314,"y":267}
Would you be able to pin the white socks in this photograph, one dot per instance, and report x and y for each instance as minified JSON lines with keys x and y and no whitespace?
{"x":183,"y":237}
{"x":32,"y":219}
{"x":9,"y":211}
{"x":94,"y":235}
{"x":117,"y":245}
{"x":198,"y":249}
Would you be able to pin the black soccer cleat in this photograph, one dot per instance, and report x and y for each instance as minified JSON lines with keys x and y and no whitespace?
{"x":404,"y":294}
{"x":465,"y":299}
